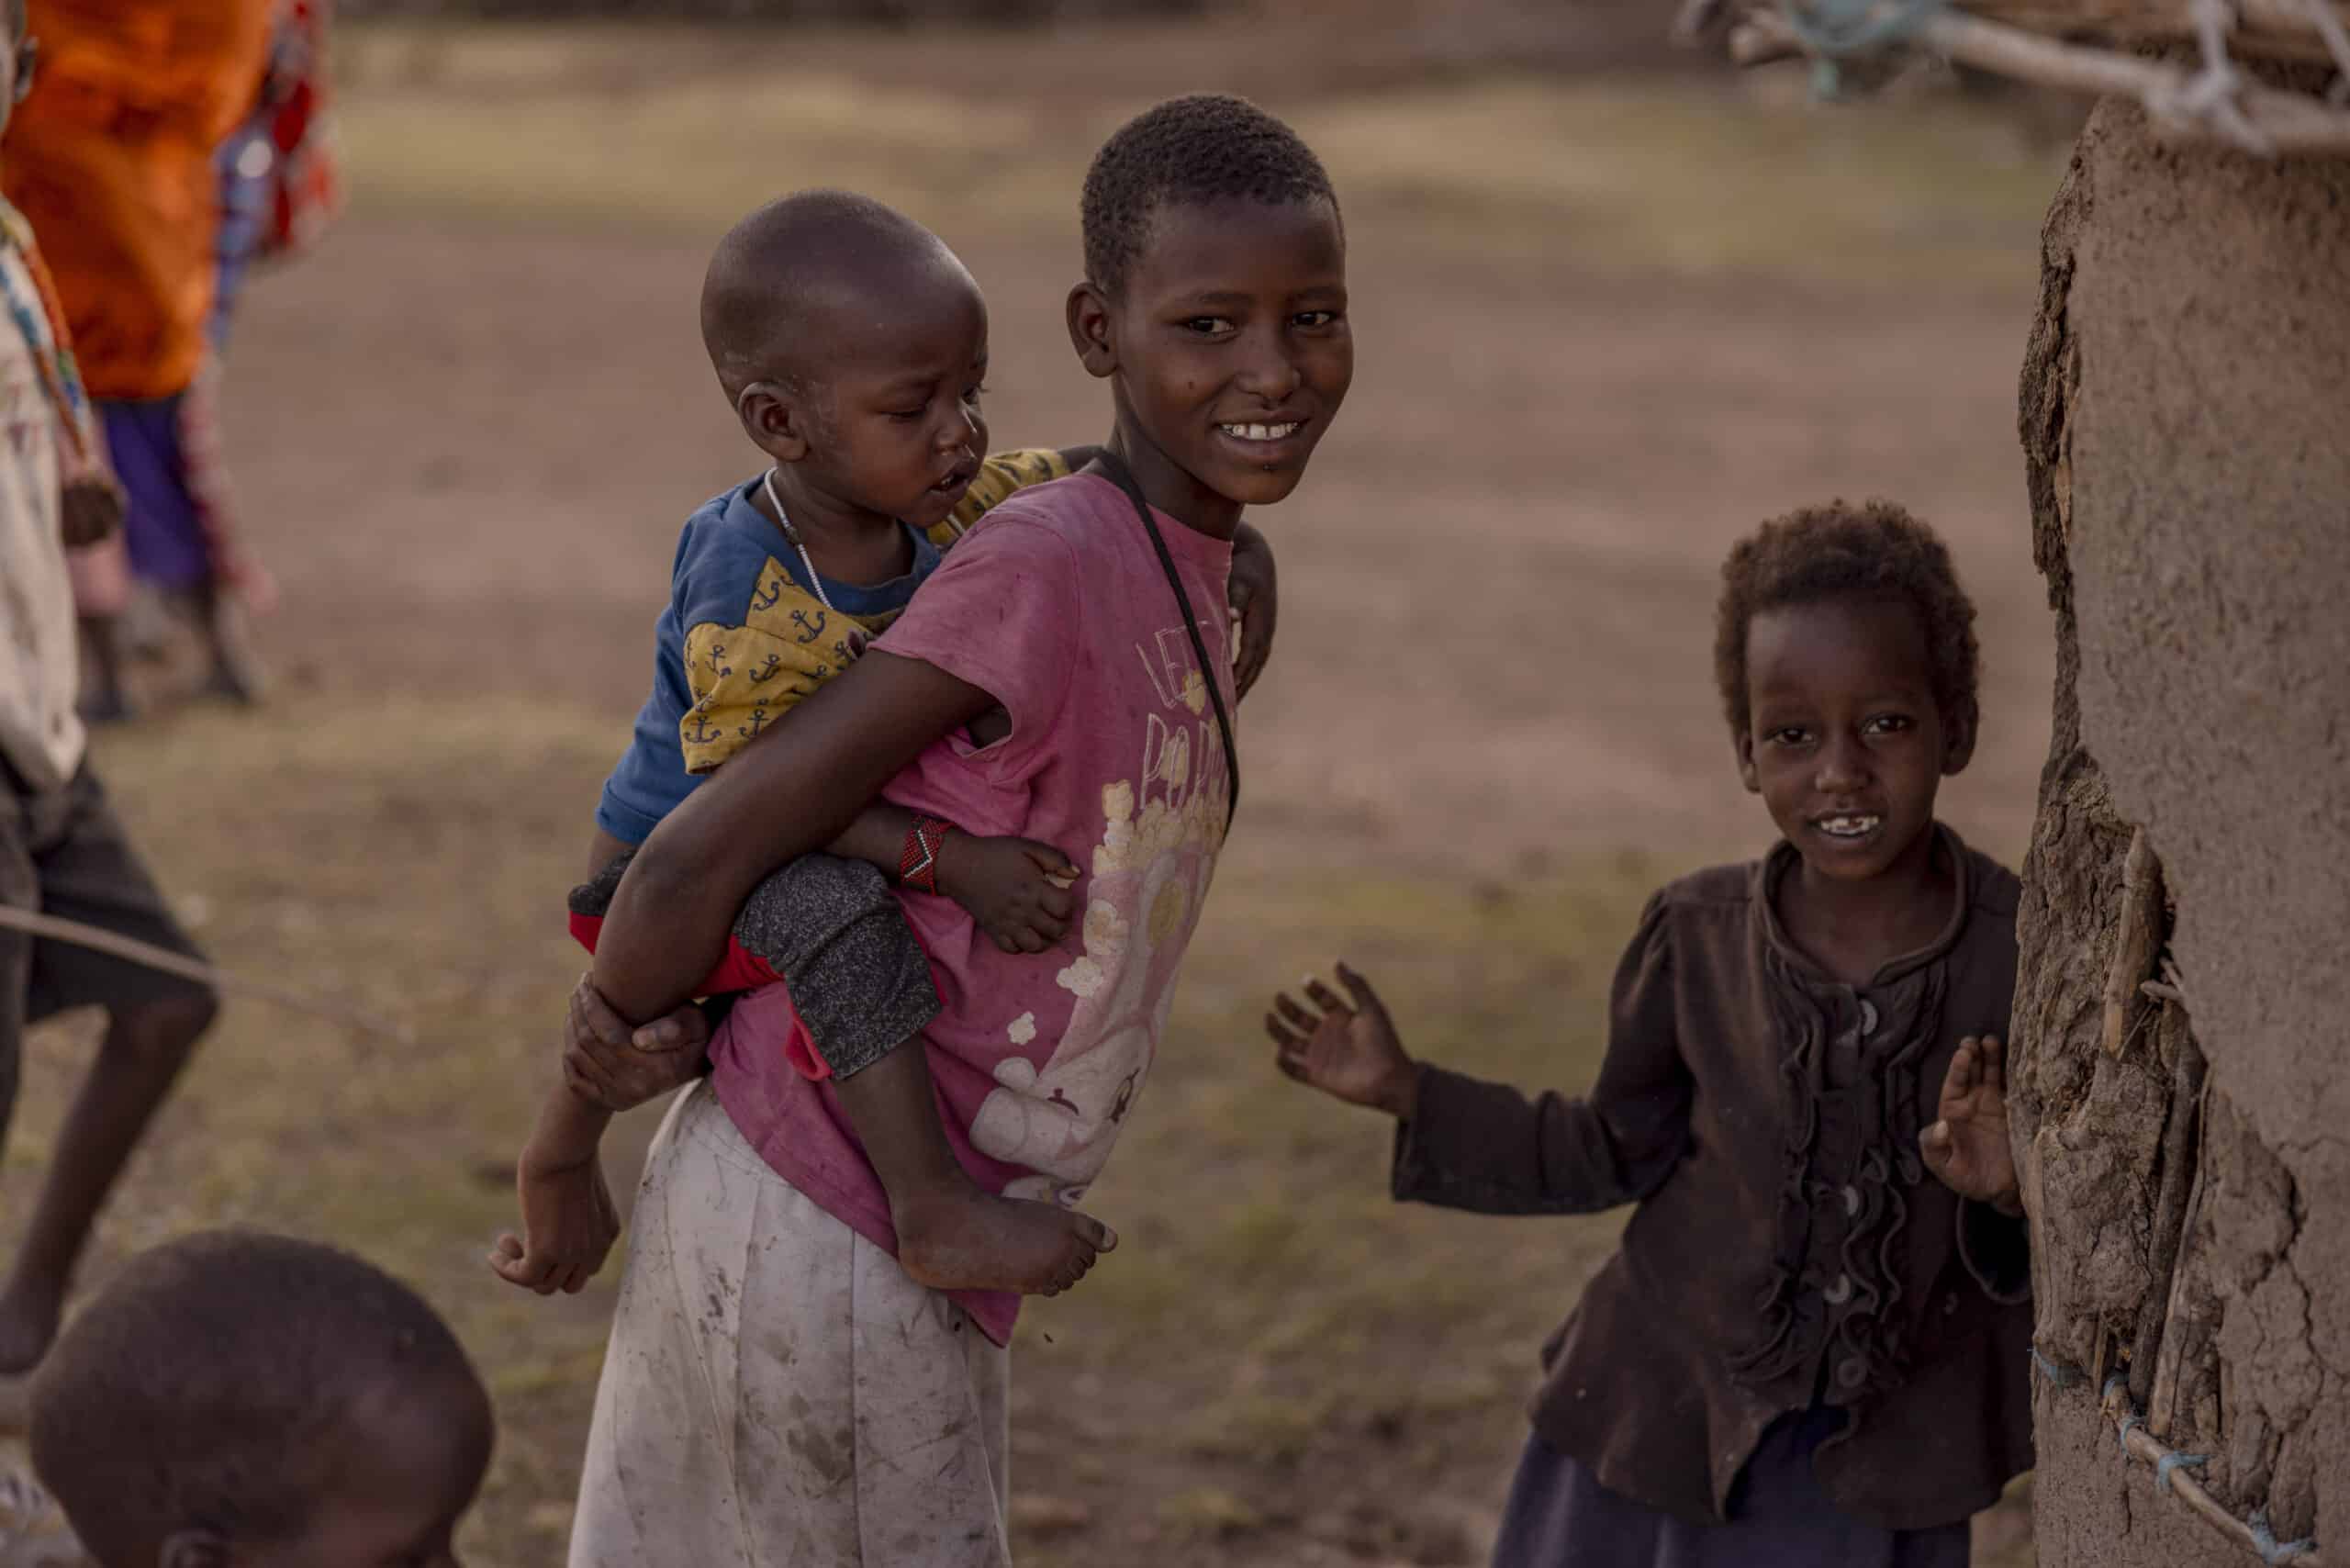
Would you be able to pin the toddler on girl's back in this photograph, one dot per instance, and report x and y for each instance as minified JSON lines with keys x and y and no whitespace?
{"x":778,"y":1385}
{"x":852,"y":345}
{"x":1808,"y":1350}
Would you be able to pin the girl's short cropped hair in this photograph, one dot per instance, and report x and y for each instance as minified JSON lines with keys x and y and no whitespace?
{"x":1875,"y":551}
{"x":1202,"y":148}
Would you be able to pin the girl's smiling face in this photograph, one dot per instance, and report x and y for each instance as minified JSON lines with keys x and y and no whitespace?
{"x":1846,"y":744}
{"x":1231,"y":351}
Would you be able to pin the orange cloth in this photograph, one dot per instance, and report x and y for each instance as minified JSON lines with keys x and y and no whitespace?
{"x":111,"y":159}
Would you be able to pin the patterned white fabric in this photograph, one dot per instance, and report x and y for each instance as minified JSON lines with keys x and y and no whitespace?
{"x":778,"y":1391}
{"x":39,"y":732}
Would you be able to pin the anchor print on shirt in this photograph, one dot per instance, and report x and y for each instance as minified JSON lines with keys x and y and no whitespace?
{"x":741,"y":678}
{"x":697,"y":730}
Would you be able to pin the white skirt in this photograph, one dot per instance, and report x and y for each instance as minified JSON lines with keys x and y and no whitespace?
{"x":778,"y":1392}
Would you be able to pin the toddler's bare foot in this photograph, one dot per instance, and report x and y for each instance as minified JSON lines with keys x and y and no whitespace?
{"x":953,"y":1236}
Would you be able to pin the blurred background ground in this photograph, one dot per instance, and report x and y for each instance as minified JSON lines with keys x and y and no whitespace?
{"x":1612,"y":309}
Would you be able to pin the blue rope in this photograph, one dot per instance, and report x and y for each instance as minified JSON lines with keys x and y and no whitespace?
{"x":1831,"y":31}
{"x":2271,"y":1550}
{"x":2170,"y":1461}
{"x":2130,"y":1416}
{"x":2263,"y":1539}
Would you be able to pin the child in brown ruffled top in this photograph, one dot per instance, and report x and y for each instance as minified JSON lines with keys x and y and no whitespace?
{"x":1809,"y":1347}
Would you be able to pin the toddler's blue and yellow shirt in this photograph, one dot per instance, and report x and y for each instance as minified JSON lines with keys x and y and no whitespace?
{"x":744,"y":636}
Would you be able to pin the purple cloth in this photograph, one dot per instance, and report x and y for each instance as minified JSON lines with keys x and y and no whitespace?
{"x":244,"y":163}
{"x":1560,"y":1516}
{"x":162,"y":528}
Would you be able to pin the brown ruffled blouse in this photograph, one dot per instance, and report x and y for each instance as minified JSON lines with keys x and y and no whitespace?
{"x":1789,"y":1247}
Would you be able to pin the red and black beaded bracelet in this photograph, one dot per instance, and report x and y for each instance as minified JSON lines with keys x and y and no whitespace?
{"x":918,"y":862}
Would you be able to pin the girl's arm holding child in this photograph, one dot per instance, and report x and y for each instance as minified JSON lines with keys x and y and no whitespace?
{"x":1015,"y":890}
{"x":834,"y":751}
{"x":671,"y":915}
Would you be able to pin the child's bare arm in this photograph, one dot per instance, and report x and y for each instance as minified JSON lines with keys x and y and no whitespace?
{"x":1255,"y":596}
{"x":603,"y":849}
{"x":1487,"y":1147}
{"x":685,"y":884}
{"x":1016,"y":888}
{"x":1350,"y":1052}
{"x":828,"y":755}
{"x":568,"y":1221}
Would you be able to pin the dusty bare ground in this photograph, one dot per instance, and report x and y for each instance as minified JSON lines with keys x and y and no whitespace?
{"x":1603,"y":328}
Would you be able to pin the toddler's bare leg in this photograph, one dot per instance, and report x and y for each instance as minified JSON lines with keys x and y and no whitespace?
{"x":861,"y":985}
{"x":951,"y":1235}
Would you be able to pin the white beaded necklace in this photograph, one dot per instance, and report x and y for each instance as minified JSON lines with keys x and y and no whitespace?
{"x":783,"y":520}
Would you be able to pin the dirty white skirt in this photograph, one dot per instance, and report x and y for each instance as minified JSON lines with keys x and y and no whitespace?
{"x":778,"y":1392}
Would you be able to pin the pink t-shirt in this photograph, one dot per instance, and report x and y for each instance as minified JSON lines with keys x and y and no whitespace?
{"x":1056,"y":606}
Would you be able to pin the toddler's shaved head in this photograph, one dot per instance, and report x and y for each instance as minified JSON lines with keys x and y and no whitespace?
{"x":792,"y":287}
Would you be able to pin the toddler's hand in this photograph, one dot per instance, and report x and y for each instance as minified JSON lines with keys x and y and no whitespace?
{"x":1967,"y":1146}
{"x":569,"y":1223}
{"x":1348,"y":1052}
{"x":1015,"y":887}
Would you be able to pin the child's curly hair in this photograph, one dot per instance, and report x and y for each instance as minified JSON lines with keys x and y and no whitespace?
{"x":1840,"y":551}
{"x":1202,"y":148}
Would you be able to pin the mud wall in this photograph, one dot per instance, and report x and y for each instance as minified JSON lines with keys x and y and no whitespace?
{"x":2185,"y":420}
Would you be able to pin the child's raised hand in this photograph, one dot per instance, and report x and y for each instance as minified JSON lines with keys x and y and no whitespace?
{"x":1347,"y":1051}
{"x":1016,"y":888}
{"x":1967,"y":1146}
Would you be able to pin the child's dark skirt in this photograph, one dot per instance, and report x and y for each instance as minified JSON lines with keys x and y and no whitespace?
{"x":1560,"y":1516}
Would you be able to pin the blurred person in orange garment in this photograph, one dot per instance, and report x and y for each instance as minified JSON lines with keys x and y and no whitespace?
{"x":111,"y":158}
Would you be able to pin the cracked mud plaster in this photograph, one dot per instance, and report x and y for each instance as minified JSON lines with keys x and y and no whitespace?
{"x":2182,"y":415}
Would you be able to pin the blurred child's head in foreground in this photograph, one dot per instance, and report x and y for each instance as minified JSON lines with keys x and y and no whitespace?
{"x":240,"y":1400}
